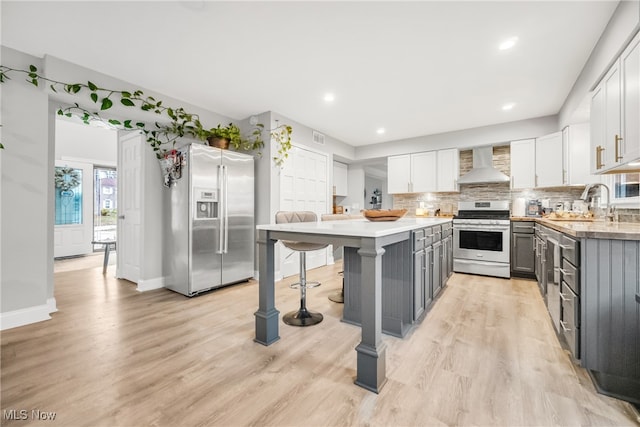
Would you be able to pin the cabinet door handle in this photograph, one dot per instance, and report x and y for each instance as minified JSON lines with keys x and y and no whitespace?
{"x":565,"y":272}
{"x":599,"y":162}
{"x":617,"y":143}
{"x":564,"y":328}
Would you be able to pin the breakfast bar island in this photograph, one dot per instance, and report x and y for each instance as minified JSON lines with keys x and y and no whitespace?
{"x":370,"y":240}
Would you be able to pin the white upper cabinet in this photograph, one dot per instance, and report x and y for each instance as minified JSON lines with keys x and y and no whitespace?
{"x":523,"y":165}
{"x":425,"y":172}
{"x":596,"y":122}
{"x":615,"y":112}
{"x":549,"y":170}
{"x":340,"y":182}
{"x":576,"y":159}
{"x":629,"y":146}
{"x":561,"y":158}
{"x":399,"y":174}
{"x":448,"y":168}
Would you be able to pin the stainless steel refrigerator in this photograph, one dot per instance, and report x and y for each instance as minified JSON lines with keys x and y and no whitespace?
{"x":209,"y":240}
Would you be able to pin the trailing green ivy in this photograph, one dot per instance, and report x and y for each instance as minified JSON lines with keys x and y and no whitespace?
{"x":162,"y":137}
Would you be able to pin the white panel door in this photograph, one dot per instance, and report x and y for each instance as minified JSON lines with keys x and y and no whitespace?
{"x":73,"y":229}
{"x":303,"y":187}
{"x":129,"y":205}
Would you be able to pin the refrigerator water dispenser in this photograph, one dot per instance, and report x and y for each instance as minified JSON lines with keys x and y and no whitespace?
{"x":206,"y":204}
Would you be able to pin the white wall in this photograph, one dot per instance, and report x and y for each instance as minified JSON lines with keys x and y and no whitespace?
{"x":355,"y":200}
{"x":90,"y":144}
{"x":25,"y":212}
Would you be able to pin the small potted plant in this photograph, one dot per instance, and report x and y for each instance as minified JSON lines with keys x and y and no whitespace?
{"x":230,"y":135}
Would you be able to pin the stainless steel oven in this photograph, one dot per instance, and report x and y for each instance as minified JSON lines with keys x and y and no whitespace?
{"x":481,"y":238}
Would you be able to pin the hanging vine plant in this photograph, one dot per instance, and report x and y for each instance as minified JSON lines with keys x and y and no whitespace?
{"x":163,"y":136}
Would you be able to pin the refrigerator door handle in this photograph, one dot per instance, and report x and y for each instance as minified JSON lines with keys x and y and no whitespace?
{"x":220,"y":212}
{"x":226,"y":210}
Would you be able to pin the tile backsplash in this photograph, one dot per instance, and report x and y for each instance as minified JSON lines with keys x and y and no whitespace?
{"x":448,"y":202}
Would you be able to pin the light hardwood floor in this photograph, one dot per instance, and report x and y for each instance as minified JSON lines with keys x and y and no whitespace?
{"x":485,"y":354}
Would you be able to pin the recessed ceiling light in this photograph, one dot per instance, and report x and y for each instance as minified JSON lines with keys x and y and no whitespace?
{"x":508,"y":43}
{"x":380,"y":131}
{"x":509,"y":106}
{"x":329,"y":97}
{"x":634,"y":164}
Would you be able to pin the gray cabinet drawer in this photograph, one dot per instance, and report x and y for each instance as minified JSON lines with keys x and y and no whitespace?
{"x":437,"y":233}
{"x":428,"y":236}
{"x":570,"y":275}
{"x":418,"y":240}
{"x":570,"y":249}
{"x":569,"y":321}
{"x":522,"y":227}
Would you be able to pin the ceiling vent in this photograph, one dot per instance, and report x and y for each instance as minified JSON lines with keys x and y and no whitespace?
{"x":318,"y":138}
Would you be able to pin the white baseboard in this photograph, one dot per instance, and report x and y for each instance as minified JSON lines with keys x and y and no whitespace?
{"x":150,"y":284}
{"x":24,"y":316}
{"x":53,"y":306}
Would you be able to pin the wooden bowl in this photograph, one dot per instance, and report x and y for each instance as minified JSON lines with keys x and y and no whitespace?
{"x":384,"y":215}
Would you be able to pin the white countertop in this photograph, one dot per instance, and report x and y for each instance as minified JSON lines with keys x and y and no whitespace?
{"x":356,"y":227}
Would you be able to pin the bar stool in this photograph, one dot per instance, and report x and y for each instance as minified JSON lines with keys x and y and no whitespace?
{"x":301,"y":317}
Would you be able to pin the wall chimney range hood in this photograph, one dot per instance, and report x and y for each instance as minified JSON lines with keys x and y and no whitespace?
{"x":483,"y":170}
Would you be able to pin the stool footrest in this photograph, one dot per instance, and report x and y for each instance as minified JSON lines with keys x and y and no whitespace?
{"x":308,"y":285}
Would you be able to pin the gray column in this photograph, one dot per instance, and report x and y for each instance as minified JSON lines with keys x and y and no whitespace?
{"x":267,"y":315}
{"x":371,"y":367}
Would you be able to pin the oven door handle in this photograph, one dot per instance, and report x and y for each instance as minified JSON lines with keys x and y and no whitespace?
{"x":483,"y":228}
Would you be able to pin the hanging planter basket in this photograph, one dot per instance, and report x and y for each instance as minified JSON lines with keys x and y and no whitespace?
{"x":215,"y":141}
{"x":171,"y":165}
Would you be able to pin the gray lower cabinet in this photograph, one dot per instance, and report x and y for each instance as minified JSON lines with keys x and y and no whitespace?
{"x":419,"y":288}
{"x":570,"y":293}
{"x":436,"y":272}
{"x":405,"y":296}
{"x":523,"y":245}
{"x":610,"y":318}
{"x":397,"y":288}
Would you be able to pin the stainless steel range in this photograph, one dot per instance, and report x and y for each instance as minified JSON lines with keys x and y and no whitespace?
{"x":481,"y":238}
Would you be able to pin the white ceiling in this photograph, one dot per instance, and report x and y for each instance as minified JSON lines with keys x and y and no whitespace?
{"x":414,"y":68}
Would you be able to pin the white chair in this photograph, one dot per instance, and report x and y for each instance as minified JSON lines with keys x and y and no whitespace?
{"x":301,"y":317}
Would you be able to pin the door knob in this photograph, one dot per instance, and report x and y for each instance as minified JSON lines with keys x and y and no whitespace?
{"x":120,"y":216}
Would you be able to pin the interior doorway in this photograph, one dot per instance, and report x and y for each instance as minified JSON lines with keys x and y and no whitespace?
{"x":86,"y":192}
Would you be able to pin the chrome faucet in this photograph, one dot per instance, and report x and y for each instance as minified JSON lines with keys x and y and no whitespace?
{"x":609,"y":211}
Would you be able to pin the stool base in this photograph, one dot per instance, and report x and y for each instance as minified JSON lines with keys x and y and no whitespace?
{"x":302,"y":317}
{"x":337,"y":296}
